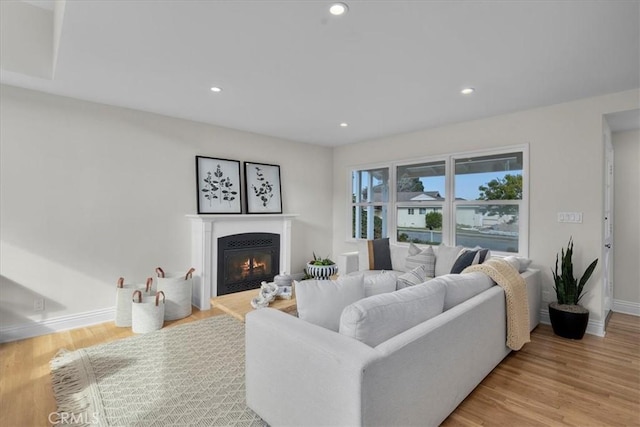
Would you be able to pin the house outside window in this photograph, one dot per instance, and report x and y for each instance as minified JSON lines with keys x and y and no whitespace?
{"x":469,"y":199}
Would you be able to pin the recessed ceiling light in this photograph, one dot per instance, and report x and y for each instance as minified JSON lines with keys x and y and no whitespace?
{"x":344,"y":125}
{"x":216,"y":89}
{"x":338,"y":9}
{"x":467,"y":91}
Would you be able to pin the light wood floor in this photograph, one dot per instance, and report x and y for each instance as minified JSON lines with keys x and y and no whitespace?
{"x":552,"y":381}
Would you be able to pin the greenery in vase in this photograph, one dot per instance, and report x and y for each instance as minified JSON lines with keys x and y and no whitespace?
{"x":321,"y":261}
{"x":568,"y":288}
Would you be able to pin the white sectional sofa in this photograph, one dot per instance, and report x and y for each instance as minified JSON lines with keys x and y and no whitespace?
{"x":302,"y":374}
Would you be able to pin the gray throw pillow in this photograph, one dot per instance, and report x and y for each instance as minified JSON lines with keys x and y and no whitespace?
{"x":414,"y":277}
{"x":426,"y":257}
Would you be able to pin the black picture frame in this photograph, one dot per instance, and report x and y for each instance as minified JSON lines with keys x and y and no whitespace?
{"x":262,"y":188}
{"x":218,"y":186}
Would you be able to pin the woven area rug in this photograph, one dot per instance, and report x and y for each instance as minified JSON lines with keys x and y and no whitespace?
{"x":185,"y":375}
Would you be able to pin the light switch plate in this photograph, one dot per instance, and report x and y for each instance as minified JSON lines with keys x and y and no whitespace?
{"x":573,"y":217}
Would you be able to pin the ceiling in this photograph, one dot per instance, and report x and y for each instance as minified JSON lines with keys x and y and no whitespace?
{"x":291,"y":70}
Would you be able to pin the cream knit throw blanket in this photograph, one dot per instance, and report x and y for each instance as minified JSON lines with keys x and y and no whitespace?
{"x":515,"y":291}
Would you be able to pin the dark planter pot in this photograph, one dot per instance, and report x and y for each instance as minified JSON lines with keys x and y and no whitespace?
{"x":568,"y":321}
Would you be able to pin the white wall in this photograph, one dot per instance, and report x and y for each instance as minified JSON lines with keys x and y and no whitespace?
{"x":90,"y":193}
{"x":626,"y":233}
{"x":566,"y":174}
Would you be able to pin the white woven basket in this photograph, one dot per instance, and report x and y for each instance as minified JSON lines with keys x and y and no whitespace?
{"x":123,"y":300}
{"x":147,"y":313}
{"x":178,"y":290}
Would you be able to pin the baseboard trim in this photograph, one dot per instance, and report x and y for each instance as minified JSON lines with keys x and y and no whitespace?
{"x":626,"y":307}
{"x":57,"y":324}
{"x":594,"y":327}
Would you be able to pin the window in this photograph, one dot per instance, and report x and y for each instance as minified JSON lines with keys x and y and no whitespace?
{"x":420,"y":185}
{"x":369,"y":201}
{"x":488,"y":192}
{"x":469,"y":199}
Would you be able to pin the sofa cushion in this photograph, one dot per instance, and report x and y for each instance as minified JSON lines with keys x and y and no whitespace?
{"x":374,"y":255}
{"x":380,"y":283}
{"x":461,"y":287}
{"x":445,"y":259}
{"x":321,"y":301}
{"x":375,"y":319}
{"x":414,"y":277}
{"x":425,"y":257}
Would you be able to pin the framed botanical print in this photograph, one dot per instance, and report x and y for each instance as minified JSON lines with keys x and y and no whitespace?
{"x":218,"y":185}
{"x":262,"y":188}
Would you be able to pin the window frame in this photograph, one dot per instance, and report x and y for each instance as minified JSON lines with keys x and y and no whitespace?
{"x":449,"y":204}
{"x":370,"y":205}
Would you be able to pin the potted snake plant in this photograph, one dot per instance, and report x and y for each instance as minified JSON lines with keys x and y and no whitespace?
{"x":568,"y":318}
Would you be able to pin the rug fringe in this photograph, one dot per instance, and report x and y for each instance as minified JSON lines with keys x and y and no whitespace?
{"x":71,"y":389}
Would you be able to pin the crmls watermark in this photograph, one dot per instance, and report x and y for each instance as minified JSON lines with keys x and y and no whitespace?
{"x":62,"y":418}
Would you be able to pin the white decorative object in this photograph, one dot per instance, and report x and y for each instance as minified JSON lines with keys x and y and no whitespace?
{"x":177,"y":288}
{"x":259,"y":302}
{"x":147,"y":313}
{"x":124,"y":293}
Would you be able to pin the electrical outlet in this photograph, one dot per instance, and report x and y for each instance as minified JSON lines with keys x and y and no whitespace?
{"x":546,"y":295}
{"x":38,"y":304}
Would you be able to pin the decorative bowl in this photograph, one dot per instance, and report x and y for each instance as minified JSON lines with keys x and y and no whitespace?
{"x":321,"y":271}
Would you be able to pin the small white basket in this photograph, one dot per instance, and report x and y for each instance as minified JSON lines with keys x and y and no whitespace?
{"x":178,"y":289}
{"x":147,"y":313}
{"x":123,"y":300}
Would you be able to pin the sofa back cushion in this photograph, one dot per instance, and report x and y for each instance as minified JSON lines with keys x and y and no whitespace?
{"x":445,"y":259}
{"x":321,"y":301}
{"x":461,"y":287}
{"x":380,"y":283}
{"x":375,"y":319}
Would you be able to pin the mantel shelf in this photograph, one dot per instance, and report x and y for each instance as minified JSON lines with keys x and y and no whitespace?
{"x":241,"y":217}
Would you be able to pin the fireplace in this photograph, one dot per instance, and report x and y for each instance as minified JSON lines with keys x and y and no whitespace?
{"x":206,"y":230}
{"x":247,"y":259}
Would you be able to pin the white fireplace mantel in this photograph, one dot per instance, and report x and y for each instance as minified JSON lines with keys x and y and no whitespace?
{"x":207,"y":229}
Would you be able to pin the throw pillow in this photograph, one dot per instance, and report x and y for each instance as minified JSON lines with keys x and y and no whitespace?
{"x":425,"y":257}
{"x":445,"y":259}
{"x":482,"y":255}
{"x":379,"y":254}
{"x":413,"y":249}
{"x":414,"y":277}
{"x":321,"y":301}
{"x":463,"y":261}
{"x":512,"y":261}
{"x":519,"y":263}
{"x":375,"y":319}
{"x":379,"y":283}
